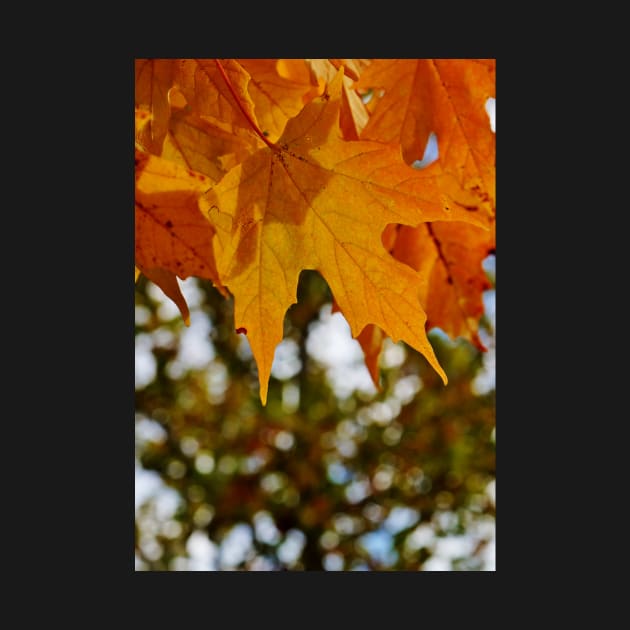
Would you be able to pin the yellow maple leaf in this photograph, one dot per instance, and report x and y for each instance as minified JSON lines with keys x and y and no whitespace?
{"x":318,"y":202}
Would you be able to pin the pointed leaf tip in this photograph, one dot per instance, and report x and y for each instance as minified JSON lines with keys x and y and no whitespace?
{"x":167,"y":281}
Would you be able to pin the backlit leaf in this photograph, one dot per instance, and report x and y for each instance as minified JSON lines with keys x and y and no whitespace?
{"x":204,"y":145}
{"x":319,"y":202}
{"x":171,"y":232}
{"x":449,"y":256}
{"x":444,"y":96}
{"x":208,"y":93}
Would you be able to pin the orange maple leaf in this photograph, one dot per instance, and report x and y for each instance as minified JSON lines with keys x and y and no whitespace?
{"x":318,"y":202}
{"x":449,"y":256}
{"x":444,"y":96}
{"x":414,"y":98}
{"x":172,"y":235}
{"x":208,"y":94}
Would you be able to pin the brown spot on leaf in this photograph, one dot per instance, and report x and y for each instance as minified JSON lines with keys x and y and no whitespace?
{"x":169,"y":224}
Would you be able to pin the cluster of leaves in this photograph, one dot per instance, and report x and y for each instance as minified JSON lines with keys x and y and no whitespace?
{"x":317,"y":479}
{"x":250,"y":171}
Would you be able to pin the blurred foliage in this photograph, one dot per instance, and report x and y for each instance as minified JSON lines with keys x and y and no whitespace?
{"x":400,"y":479}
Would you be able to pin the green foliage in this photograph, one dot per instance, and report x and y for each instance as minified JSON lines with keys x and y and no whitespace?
{"x":322,"y":477}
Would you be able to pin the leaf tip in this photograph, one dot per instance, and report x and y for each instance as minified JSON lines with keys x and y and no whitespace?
{"x":442,"y":373}
{"x":333,"y":89}
{"x":263,"y":393}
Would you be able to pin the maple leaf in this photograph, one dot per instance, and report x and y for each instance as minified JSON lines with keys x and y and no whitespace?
{"x":204,"y":145}
{"x":276,"y":98}
{"x":318,"y":202}
{"x":448,"y":97}
{"x":449,"y":256}
{"x":208,"y":93}
{"x":444,"y":96}
{"x":172,"y":235}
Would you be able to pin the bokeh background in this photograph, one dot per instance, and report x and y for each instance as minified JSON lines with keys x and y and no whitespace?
{"x":332,"y":474}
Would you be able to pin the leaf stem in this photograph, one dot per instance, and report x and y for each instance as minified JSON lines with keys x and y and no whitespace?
{"x":260,"y":134}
